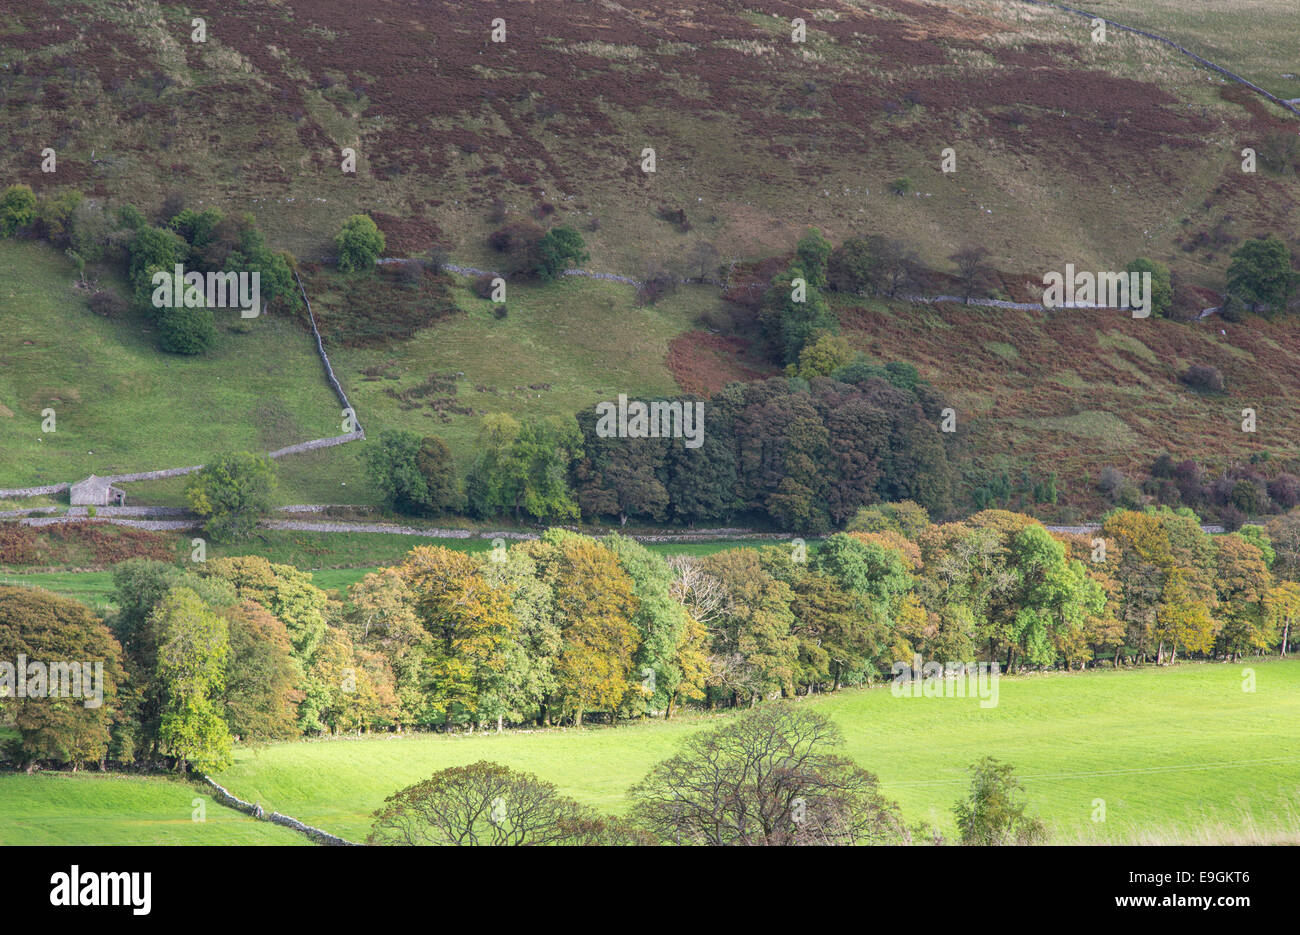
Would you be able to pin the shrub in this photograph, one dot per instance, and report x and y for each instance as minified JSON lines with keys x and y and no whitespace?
{"x":186,"y":330}
{"x":852,"y":266}
{"x":483,"y":286}
{"x":520,"y":243}
{"x":1280,"y":153}
{"x":17,"y":209}
{"x":17,"y":544}
{"x":1187,"y":304}
{"x":658,"y":283}
{"x":901,"y":186}
{"x":992,"y":813}
{"x":1284,"y":490}
{"x":1203,"y":378}
{"x":676,"y":217}
{"x":1232,"y":309}
{"x":1110,"y":481}
{"x":108,"y":303}
{"x":359,"y":243}
{"x":437,"y":258}
{"x":560,"y":248}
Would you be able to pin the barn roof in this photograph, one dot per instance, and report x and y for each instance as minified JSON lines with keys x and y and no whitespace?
{"x":93,"y":482}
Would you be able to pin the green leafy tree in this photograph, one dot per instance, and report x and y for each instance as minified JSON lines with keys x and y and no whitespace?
{"x":558,"y":250}
{"x":139,"y":586}
{"x":793,"y":314}
{"x":906,"y":517}
{"x":755,"y":652}
{"x":17,"y":209}
{"x":260,"y":676}
{"x":824,"y":356}
{"x":489,"y":805}
{"x":72,"y":725}
{"x":524,"y":468}
{"x":285,"y":591}
{"x":152,"y":249}
{"x":662,"y":624}
{"x":853,"y":266}
{"x":768,"y":778}
{"x":199,"y":229}
{"x":1258,"y":537}
{"x":438,"y":469}
{"x":994,"y":813}
{"x":1051,"y":594}
{"x":192,"y":644}
{"x":812,"y":253}
{"x":414,"y":475}
{"x":1260,"y":273}
{"x":359,"y":244}
{"x":1162,"y":284}
{"x":594,"y":605}
{"x":90,"y":230}
{"x":470,"y":623}
{"x":54,"y":216}
{"x":231,"y":492}
{"x":527,"y":677}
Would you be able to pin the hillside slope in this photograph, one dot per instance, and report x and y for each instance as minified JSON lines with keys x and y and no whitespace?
{"x":1066,"y":148}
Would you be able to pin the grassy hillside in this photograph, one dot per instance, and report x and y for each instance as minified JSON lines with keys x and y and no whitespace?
{"x":1078,"y":390}
{"x":1073,"y":391}
{"x":123,"y":406}
{"x":1242,"y":35}
{"x":1066,"y":148}
{"x":1165,"y":749}
{"x":90,"y":808}
{"x":1067,"y":151}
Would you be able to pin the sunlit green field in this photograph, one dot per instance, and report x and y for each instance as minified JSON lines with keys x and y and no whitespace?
{"x":1168,"y":749}
{"x":93,"y":808}
{"x":1162,"y":754}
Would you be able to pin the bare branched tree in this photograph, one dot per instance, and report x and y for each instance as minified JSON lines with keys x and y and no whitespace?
{"x":767,"y":778}
{"x":897,"y":265}
{"x":703,"y":595}
{"x":702,"y":261}
{"x":973,"y":270}
{"x":487,"y":804}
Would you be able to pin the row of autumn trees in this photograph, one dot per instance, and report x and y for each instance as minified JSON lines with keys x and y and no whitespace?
{"x":566,"y":628}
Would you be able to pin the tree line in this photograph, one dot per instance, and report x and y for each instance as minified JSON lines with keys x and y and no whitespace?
{"x":803,"y":455}
{"x":568,"y":628}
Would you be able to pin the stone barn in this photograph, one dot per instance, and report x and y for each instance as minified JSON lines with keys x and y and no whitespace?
{"x":96,"y":491}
